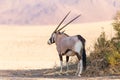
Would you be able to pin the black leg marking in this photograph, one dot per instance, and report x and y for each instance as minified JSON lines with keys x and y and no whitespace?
{"x":68,"y":50}
{"x":78,"y":56}
{"x":67,"y":58}
{"x":60,"y":56}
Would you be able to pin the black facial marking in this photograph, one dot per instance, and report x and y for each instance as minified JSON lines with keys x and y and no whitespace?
{"x":52,"y":39}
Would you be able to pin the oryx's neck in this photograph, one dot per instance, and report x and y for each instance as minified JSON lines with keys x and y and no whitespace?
{"x":59,"y":37}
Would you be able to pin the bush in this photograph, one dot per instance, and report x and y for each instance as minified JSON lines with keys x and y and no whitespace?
{"x":105,"y":59}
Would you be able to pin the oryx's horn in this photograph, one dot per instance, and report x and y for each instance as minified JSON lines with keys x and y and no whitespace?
{"x":62,"y":21}
{"x":69,"y":22}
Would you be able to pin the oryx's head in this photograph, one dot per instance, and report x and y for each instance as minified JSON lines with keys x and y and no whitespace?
{"x":53,"y":35}
{"x":52,"y":39}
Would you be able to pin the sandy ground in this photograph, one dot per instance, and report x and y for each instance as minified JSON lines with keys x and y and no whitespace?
{"x":46,"y":74}
{"x":25,"y":47}
{"x":62,"y":78}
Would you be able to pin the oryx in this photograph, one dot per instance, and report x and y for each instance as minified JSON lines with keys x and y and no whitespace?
{"x":69,"y":46}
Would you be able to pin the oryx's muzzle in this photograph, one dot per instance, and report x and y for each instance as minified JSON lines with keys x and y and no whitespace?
{"x":51,"y":41}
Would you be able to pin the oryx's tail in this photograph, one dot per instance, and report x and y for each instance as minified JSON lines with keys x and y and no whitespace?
{"x":84,"y":58}
{"x":84,"y":51}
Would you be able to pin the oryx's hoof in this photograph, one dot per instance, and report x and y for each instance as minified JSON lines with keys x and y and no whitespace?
{"x":79,"y":75}
{"x":67,"y":74}
{"x":76,"y":74}
{"x":61,"y":73}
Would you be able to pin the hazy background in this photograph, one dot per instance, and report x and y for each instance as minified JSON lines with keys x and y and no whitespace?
{"x":51,"y":12}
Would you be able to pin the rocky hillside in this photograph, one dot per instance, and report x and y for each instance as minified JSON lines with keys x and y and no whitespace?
{"x":51,"y":12}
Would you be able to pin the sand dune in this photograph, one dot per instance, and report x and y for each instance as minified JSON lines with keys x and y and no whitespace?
{"x":25,"y":47}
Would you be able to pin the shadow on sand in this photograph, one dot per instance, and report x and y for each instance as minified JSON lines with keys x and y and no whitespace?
{"x":50,"y":73}
{"x":39,"y":73}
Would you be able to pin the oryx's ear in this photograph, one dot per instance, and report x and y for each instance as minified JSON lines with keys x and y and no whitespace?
{"x":63,"y":31}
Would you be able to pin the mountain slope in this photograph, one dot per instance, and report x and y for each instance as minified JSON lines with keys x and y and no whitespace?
{"x":51,"y":12}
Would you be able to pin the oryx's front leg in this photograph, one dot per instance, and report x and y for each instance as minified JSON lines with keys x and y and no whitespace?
{"x":61,"y":62}
{"x":67,"y":59}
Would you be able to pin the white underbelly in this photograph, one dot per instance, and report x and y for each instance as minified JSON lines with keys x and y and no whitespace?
{"x":70,"y":53}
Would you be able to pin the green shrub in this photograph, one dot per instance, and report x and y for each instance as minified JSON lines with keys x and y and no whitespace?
{"x":113,"y":58}
{"x":105,"y":59}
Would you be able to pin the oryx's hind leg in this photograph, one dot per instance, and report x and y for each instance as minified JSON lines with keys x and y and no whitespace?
{"x":81,"y":63}
{"x":78,"y":51}
{"x":78,"y":72}
{"x":80,"y":67}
